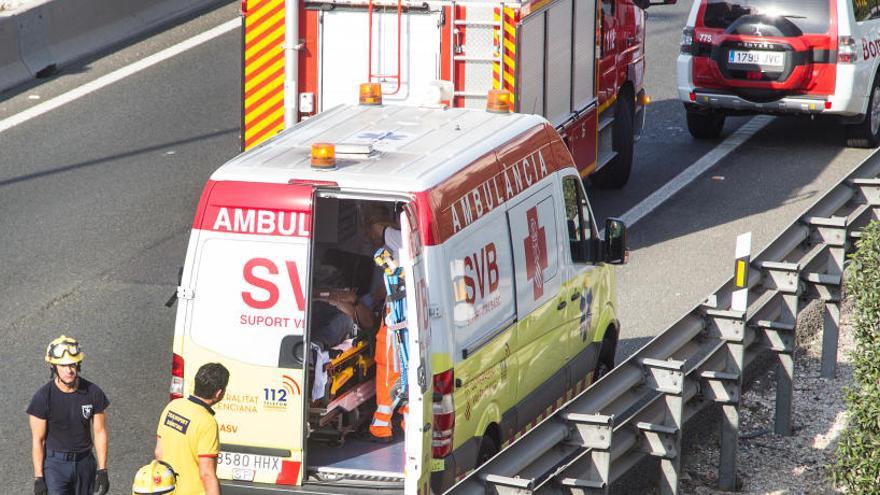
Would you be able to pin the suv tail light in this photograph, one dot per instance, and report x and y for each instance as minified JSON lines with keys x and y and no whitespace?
{"x":176,"y":391}
{"x":687,"y":40}
{"x":846,"y":50}
{"x":444,"y":414}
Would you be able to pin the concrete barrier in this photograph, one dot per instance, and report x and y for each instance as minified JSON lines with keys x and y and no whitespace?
{"x":12,"y":69}
{"x":57,"y":32}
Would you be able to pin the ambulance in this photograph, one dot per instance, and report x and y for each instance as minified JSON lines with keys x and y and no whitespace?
{"x":509,"y":291}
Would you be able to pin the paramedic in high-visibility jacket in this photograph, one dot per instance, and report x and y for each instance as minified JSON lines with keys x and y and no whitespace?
{"x":382,"y":232}
{"x":188,"y":438}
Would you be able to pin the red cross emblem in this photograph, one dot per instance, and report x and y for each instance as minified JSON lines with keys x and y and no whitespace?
{"x":536,"y":252}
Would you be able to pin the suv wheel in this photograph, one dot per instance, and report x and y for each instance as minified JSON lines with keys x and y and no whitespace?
{"x":704,"y":124}
{"x":867,"y":133}
{"x":615,"y":174}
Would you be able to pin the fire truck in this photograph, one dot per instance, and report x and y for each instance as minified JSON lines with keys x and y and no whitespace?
{"x":579,"y":64}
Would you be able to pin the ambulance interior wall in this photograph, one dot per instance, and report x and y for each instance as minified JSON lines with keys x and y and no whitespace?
{"x":343,"y":262}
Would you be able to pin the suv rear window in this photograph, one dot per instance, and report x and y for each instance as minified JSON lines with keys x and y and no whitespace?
{"x":810,"y":16}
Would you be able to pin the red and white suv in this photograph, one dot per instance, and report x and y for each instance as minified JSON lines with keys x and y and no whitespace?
{"x":813,"y":57}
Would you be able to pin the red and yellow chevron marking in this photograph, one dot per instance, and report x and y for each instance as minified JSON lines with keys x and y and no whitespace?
{"x":263,"y":65}
{"x":507,"y":39}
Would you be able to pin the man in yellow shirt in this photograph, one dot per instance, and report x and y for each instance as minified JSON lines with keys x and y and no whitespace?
{"x":188,"y":438}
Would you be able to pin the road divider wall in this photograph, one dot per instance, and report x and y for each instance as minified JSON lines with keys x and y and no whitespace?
{"x":47,"y":35}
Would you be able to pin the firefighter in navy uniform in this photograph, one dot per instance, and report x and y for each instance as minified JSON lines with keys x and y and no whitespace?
{"x":67,"y":418}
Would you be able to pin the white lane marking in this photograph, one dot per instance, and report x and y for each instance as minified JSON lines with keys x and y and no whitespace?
{"x":117,"y":75}
{"x":696,"y":169}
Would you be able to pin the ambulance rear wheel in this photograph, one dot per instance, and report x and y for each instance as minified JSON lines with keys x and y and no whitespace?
{"x":867,"y":133}
{"x":704,"y":124}
{"x":488,"y":447}
{"x":615,"y":173}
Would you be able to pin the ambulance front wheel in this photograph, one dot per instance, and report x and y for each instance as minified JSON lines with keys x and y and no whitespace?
{"x":606,"y":355}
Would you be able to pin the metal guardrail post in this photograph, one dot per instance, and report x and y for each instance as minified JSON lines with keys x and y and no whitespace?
{"x":663,"y":440}
{"x":780,"y":334}
{"x":832,"y":232}
{"x":591,"y":431}
{"x":730,"y":326}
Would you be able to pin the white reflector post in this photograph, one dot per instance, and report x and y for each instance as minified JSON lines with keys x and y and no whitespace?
{"x":740,"y":298}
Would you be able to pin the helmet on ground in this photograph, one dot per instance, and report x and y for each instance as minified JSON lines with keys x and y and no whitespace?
{"x":155,"y":478}
{"x":64,"y":350}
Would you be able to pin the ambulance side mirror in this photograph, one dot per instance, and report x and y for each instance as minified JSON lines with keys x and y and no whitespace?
{"x":614,"y":245}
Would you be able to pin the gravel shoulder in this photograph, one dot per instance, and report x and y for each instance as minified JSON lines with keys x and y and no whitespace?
{"x":773,"y":464}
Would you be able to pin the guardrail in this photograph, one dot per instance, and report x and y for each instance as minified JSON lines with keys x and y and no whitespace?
{"x":640,"y":408}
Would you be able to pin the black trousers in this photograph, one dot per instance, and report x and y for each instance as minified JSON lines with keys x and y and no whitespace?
{"x":69,"y":474}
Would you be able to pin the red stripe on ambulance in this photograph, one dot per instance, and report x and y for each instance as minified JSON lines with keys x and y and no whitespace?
{"x":273,"y":209}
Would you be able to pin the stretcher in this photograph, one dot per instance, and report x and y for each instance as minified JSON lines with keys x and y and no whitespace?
{"x":348,"y":392}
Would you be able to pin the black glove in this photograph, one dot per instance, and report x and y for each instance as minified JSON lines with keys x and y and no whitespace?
{"x":40,"y":487}
{"x":102,"y":482}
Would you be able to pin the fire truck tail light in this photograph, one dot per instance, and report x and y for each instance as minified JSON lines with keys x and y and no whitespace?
{"x":244,"y":7}
{"x":176,"y":390}
{"x":846,"y":50}
{"x":444,"y":414}
{"x":687,"y":40}
{"x":370,"y":94}
{"x":692,"y":96}
{"x":827,"y":105}
{"x":323,"y":156}
{"x":499,"y":101}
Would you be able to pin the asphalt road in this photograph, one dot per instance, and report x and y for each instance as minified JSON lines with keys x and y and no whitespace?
{"x":97,"y":198}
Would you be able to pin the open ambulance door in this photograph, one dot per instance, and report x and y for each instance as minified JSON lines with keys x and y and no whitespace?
{"x":419,"y":387}
{"x":248,"y":311}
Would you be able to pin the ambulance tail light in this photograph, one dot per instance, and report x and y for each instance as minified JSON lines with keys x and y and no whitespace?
{"x":846,"y":50}
{"x":444,"y":414}
{"x":687,"y":41}
{"x":176,"y":377}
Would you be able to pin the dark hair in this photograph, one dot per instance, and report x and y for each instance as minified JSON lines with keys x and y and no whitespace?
{"x":210,"y":378}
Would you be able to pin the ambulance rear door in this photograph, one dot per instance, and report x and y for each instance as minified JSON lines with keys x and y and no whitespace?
{"x":419,"y":386}
{"x":248,"y":312}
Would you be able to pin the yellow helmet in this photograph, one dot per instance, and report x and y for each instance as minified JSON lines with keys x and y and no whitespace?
{"x":64,"y":350}
{"x":156,"y":478}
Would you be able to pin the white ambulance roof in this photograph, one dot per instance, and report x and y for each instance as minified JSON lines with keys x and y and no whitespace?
{"x":414,"y":148}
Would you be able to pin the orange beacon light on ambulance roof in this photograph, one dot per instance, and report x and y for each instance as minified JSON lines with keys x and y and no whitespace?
{"x":499,"y":101}
{"x":370,"y":94}
{"x":323,"y":156}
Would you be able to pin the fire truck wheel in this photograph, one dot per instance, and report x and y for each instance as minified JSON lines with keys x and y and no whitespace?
{"x":867,"y":133}
{"x":615,"y":174}
{"x":704,"y":124}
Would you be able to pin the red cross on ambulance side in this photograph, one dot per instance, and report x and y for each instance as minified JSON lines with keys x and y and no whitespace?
{"x":536,"y":252}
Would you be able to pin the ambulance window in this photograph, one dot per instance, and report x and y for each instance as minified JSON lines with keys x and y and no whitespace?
{"x":577,"y":219}
{"x":249,"y":298}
